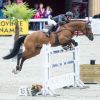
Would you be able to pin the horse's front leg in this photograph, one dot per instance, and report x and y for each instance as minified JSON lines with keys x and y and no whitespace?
{"x":74,"y":42}
{"x":67,"y":46}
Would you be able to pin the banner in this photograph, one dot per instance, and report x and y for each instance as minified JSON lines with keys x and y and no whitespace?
{"x":7,"y":27}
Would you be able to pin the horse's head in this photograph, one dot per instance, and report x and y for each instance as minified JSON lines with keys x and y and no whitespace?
{"x":88,"y":31}
{"x":83,"y":26}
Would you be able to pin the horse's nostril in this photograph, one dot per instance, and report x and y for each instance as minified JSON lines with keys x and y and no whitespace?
{"x":91,"y":38}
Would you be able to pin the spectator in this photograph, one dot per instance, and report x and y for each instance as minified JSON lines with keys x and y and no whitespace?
{"x":36,"y":7}
{"x":19,"y":1}
{"x":48,"y":12}
{"x":76,"y":12}
{"x":36,"y":25}
{"x":41,"y":10}
{"x":1,"y":14}
{"x":7,"y":2}
{"x":2,"y":4}
{"x":37,"y":15}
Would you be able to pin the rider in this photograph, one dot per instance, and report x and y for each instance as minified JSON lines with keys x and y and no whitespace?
{"x":59,"y":20}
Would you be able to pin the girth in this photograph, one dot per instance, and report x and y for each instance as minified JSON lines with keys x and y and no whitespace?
{"x":56,"y":43}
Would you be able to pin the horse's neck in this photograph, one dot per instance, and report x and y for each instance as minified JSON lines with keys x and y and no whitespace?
{"x":67,"y":28}
{"x":77,"y":26}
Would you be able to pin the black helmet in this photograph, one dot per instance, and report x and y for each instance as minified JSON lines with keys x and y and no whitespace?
{"x":70,"y":14}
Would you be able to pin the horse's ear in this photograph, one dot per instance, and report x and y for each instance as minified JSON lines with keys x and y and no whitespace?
{"x":89,"y":20}
{"x":88,"y":24}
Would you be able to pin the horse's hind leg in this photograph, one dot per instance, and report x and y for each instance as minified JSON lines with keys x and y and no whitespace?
{"x":20,"y":61}
{"x":23,"y":56}
{"x":19,"y":56}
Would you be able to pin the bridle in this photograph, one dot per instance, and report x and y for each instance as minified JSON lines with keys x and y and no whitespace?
{"x":88,"y":26}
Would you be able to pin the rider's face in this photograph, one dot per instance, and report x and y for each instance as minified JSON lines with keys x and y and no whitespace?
{"x":69,"y":17}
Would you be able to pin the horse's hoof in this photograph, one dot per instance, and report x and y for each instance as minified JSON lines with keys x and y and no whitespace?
{"x":76,"y":44}
{"x":15,"y":71}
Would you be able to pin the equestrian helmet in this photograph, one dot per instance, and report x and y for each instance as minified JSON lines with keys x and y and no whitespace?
{"x":70,"y":14}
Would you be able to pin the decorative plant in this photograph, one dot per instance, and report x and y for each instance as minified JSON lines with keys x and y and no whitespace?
{"x":16,"y":12}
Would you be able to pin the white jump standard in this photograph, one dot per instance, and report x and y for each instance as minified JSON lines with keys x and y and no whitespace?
{"x":68,"y":79}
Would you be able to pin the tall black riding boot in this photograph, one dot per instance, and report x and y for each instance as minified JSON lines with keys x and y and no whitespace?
{"x":50,"y":30}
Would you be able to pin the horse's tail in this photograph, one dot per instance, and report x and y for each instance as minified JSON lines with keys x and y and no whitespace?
{"x":16,"y":48}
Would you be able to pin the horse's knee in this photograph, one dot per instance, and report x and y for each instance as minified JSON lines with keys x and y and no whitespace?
{"x":19,"y":56}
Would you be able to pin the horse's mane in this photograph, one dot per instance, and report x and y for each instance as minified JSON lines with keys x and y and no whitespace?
{"x":82,"y":20}
{"x":73,"y":21}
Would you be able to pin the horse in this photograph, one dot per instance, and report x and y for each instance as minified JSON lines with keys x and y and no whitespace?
{"x":33,"y":42}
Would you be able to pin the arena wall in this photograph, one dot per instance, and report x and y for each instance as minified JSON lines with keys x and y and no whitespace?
{"x":89,"y":50}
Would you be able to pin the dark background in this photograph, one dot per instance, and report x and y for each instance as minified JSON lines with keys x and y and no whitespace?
{"x":57,"y":6}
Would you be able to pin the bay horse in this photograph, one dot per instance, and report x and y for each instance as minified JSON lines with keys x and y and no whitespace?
{"x":34,"y":41}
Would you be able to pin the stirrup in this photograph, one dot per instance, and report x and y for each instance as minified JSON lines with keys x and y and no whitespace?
{"x":47,"y":34}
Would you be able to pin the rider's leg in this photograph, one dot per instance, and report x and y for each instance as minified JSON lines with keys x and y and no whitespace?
{"x":50,"y":30}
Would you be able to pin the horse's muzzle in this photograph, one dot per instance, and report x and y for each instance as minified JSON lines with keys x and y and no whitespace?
{"x":91,"y":37}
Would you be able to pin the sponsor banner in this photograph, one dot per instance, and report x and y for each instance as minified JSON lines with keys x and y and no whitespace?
{"x":7,"y":27}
